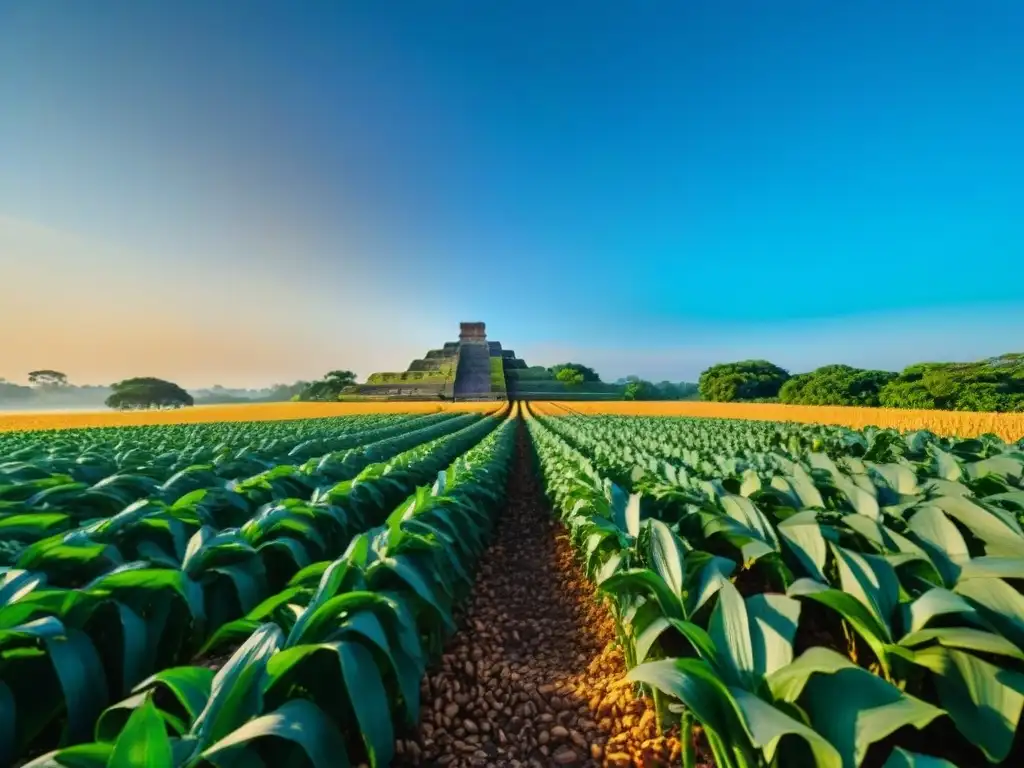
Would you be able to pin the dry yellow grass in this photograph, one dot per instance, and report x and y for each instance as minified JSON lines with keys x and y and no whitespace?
{"x":1009,"y":426}
{"x":202,"y":414}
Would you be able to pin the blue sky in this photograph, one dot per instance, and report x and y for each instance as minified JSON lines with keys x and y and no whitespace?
{"x":247,"y":192}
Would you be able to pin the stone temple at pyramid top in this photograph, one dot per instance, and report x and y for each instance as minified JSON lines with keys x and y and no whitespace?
{"x":472,"y":333}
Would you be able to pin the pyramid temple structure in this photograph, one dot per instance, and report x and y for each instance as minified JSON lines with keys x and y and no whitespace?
{"x":471,"y":368}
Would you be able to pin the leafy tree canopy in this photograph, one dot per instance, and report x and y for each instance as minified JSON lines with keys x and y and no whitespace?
{"x":569,"y":376}
{"x":341,"y":378}
{"x":47,"y":378}
{"x":588,"y":374}
{"x":684,"y":390}
{"x":147,"y":392}
{"x":744,"y":380}
{"x":835,"y":385}
{"x":641,"y":389}
{"x":330,"y":387}
{"x":994,"y":384}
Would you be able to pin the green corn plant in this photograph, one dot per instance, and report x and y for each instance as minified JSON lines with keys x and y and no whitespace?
{"x":748,"y":692}
{"x":676,"y":585}
{"x":908,"y":636}
{"x":203,"y":721}
{"x":946,"y":541}
{"x":51,"y":676}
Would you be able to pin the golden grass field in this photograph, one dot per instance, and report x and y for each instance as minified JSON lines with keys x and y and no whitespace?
{"x":202,"y":414}
{"x":1009,"y":426}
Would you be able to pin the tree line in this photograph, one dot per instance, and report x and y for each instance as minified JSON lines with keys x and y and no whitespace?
{"x":992,"y":384}
{"x":577,"y":376}
{"x":52,"y":389}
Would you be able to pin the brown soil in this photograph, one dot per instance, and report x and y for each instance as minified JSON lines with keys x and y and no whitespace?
{"x":533,"y":677}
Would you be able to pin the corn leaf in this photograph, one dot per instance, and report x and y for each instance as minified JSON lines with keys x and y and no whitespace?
{"x":143,"y":743}
{"x":299,"y":721}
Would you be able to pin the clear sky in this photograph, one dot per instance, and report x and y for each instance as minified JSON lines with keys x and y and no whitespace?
{"x":248,"y":192}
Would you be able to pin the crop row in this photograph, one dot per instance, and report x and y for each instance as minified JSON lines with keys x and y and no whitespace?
{"x":808,"y":595}
{"x":92,"y":611}
{"x":152,"y":455}
{"x":75,"y":441}
{"x":334,"y":669}
{"x":35,"y":507}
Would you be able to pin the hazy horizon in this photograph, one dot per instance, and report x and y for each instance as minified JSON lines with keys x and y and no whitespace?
{"x":219,"y":195}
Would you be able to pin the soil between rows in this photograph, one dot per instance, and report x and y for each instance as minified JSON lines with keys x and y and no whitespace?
{"x":532,"y":677}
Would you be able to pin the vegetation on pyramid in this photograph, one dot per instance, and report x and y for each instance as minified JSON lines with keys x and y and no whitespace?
{"x":475,"y":368}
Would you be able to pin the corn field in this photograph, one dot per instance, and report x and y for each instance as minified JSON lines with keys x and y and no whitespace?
{"x":510,"y":586}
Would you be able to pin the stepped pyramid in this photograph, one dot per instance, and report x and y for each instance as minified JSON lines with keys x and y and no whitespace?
{"x":471,"y":368}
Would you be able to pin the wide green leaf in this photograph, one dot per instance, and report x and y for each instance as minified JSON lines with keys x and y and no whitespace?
{"x":235,"y":694}
{"x":871,"y":580}
{"x":744,"y":511}
{"x":766,"y":725}
{"x":993,"y":568}
{"x":901,"y":758}
{"x":730,"y":631}
{"x":366,"y":689}
{"x":646,"y":582}
{"x":984,"y":701}
{"x":299,"y":721}
{"x":667,"y":555}
{"x":80,"y":671}
{"x":93,"y":755}
{"x":773,"y":622}
{"x":803,"y":536}
{"x":409,"y":573}
{"x":934,"y":603}
{"x":711,"y":573}
{"x":860,"y":617}
{"x":144,"y":742}
{"x":647,"y":625}
{"x":846,"y":704}
{"x":964,"y":638}
{"x":699,"y":688}
{"x":1001,"y":605}
{"x":191,"y":686}
{"x":1000,"y":532}
{"x":16,"y":583}
{"x":940,"y":537}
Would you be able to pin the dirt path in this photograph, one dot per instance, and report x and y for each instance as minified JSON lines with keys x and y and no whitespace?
{"x":532,"y":677}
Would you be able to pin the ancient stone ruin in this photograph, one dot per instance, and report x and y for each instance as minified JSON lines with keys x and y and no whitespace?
{"x":471,"y":368}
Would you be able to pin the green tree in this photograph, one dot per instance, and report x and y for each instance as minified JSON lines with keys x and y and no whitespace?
{"x":569,"y":377}
{"x":283,"y":392}
{"x":744,"y":380}
{"x":994,"y":384}
{"x":341,"y":379}
{"x":147,"y":392}
{"x":684,"y":390}
{"x":589,"y":374}
{"x":48,"y":378}
{"x":330,"y":387}
{"x":835,"y":385}
{"x":641,"y":390}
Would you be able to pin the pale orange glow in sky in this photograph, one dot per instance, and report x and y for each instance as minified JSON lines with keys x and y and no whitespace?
{"x":218,"y":194}
{"x":101,"y":313}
